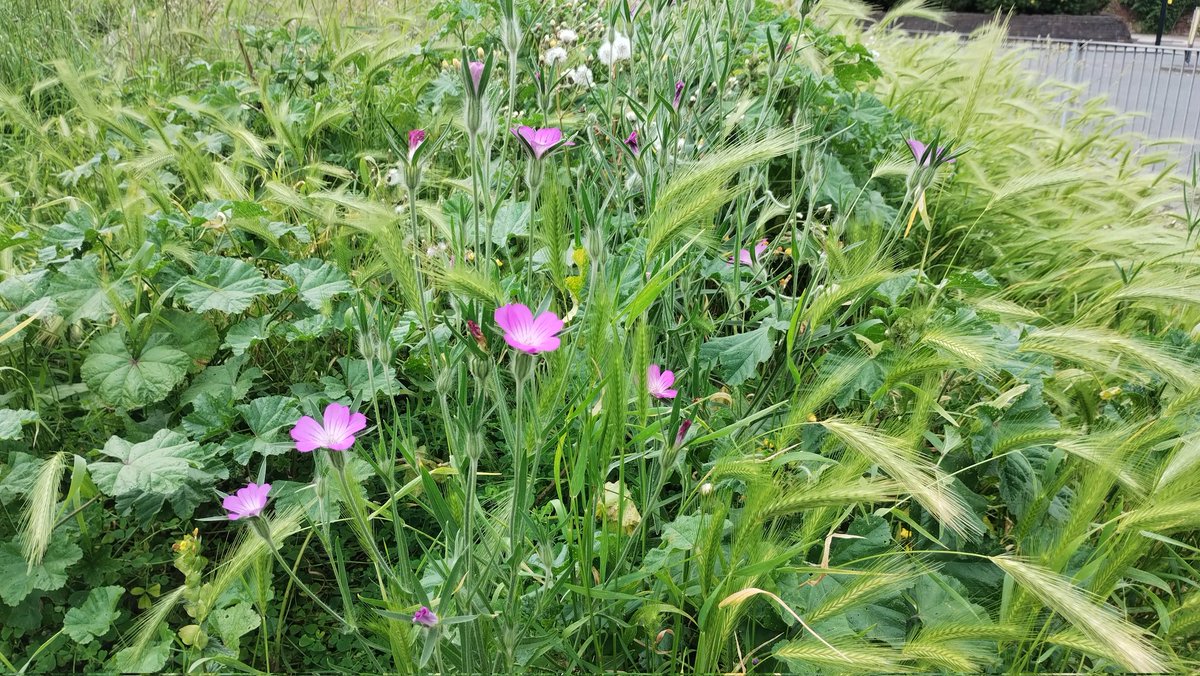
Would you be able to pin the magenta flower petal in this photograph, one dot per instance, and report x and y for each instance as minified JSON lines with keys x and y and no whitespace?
{"x":547,"y":137}
{"x":308,"y":434}
{"x":513,"y":315}
{"x":476,"y":68}
{"x":917,"y":148}
{"x":246,"y":502}
{"x":744,"y":256}
{"x":659,"y":382}
{"x":539,"y":142}
{"x":525,"y":333}
{"x":425,"y":617}
{"x":547,"y":324}
{"x":335,"y":432}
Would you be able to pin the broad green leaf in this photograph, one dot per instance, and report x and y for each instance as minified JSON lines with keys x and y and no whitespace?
{"x":11,"y":421}
{"x":224,"y":381}
{"x":737,"y":357}
{"x":367,"y":379}
{"x":151,"y":661}
{"x":69,"y":235}
{"x":511,"y":219}
{"x":227,"y":285}
{"x":93,"y":619}
{"x":266,"y":415}
{"x":19,"y":475}
{"x":81,"y":293}
{"x":21,"y":290}
{"x":161,"y":465}
{"x":243,"y":335}
{"x":212,"y":413}
{"x":234,"y":622}
{"x":127,"y":381}
{"x":187,"y":332}
{"x":307,"y":329}
{"x":317,"y":281}
{"x":18,"y":580}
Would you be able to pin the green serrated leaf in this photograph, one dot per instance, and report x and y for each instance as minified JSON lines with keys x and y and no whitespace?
{"x":11,"y":421}
{"x":126,"y":381}
{"x":266,"y":415}
{"x":18,"y":580}
{"x":94,"y":618}
{"x":161,"y":465}
{"x":234,"y":622}
{"x":226,"y":285}
{"x":224,"y":381}
{"x":737,"y":357}
{"x":187,"y":332}
{"x":317,"y":281}
{"x":81,"y":293}
{"x":19,"y":476}
{"x":511,"y":220}
{"x":243,"y":335}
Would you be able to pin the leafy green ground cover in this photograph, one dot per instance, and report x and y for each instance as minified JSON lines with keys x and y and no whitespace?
{"x":932,"y":407}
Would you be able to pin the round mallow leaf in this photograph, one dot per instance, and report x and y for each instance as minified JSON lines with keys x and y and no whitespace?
{"x":124,"y":380}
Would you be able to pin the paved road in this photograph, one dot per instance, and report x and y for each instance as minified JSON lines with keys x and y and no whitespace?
{"x":1162,"y":82}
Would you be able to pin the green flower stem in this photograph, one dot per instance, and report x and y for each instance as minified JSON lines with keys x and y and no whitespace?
{"x":263,"y":530}
{"x":362,"y":524}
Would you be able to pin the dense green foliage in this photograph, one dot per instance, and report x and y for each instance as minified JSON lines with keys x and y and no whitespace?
{"x":944,"y":420}
{"x":1146,"y":12}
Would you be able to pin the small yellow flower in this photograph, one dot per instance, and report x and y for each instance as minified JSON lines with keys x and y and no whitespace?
{"x":1110,"y":392}
{"x":574,"y":284}
{"x":579,"y":256}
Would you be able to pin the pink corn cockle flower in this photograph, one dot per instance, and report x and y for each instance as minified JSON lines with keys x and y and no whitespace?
{"x":925,"y":158}
{"x":681,"y":435}
{"x":527,"y":334}
{"x":246,"y":502}
{"x":425,"y":617}
{"x":477,"y":334}
{"x":335,"y":432}
{"x":476,"y":69}
{"x":632,"y":142}
{"x":659,"y":382}
{"x":744,"y":255}
{"x":415,"y":138}
{"x":540,"y":142}
{"x":678,"y":94}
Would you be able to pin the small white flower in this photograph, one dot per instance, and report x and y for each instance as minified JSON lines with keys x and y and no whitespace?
{"x":580,"y":76}
{"x":394,"y":177}
{"x":631,"y":116}
{"x":554,"y":55}
{"x":567,"y":35}
{"x":622,"y":49}
{"x":706,"y":488}
{"x":617,"y":50}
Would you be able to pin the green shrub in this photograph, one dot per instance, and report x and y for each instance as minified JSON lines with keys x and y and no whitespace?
{"x":1146,"y":12}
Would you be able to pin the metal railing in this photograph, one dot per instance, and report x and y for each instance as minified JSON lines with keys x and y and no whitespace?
{"x":1161,"y":84}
